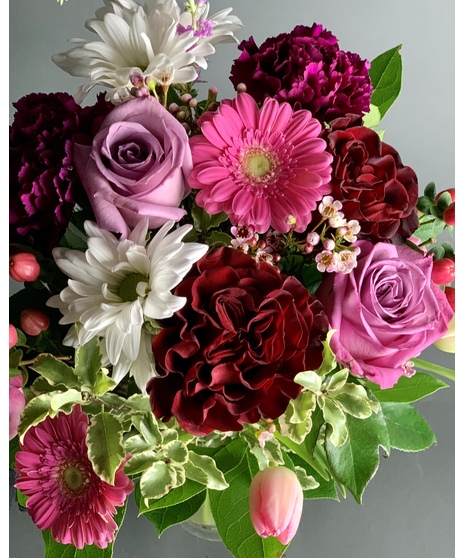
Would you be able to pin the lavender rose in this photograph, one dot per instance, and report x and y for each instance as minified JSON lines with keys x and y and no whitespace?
{"x":137,"y":166}
{"x":385,"y":312}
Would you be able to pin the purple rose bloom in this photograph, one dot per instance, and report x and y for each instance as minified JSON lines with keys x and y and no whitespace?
{"x":137,"y":166}
{"x":385,"y":312}
{"x":42,"y":177}
{"x":307,"y":69}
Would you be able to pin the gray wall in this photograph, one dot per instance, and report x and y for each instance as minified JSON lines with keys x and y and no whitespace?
{"x":408,"y":509}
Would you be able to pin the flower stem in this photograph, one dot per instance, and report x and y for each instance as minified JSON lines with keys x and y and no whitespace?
{"x":434,"y":368}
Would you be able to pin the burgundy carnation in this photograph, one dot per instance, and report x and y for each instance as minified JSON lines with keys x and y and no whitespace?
{"x":230,"y":355}
{"x":371,"y":182}
{"x":43,"y":180}
{"x":307,"y":69}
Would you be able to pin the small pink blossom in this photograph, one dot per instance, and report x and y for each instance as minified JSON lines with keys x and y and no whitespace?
{"x":17,"y":403}
{"x":327,"y":261}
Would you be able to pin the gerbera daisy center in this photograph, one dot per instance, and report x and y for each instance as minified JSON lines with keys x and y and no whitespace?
{"x":74,"y":478}
{"x":133,"y":286}
{"x":258,"y":165}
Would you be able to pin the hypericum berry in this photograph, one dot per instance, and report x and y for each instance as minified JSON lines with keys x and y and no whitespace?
{"x":13,"y":336}
{"x":443,"y":271}
{"x":450,"y":295}
{"x":24,"y":267}
{"x":449,"y":215}
{"x":33,"y":321}
{"x":451,"y":192}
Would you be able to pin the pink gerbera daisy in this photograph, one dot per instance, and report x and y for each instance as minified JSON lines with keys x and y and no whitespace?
{"x":65,"y":495}
{"x":260,"y":166}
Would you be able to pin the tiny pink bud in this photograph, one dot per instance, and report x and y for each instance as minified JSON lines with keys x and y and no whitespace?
{"x":241,"y":88}
{"x":261,"y":244}
{"x":443,"y":271}
{"x":186,"y":98}
{"x":449,"y":215}
{"x":24,"y":267}
{"x":13,"y":336}
{"x":173,"y":108}
{"x":329,"y":244}
{"x":193,"y":103}
{"x":451,"y":192}
{"x":33,"y":321}
{"x":276,"y":503}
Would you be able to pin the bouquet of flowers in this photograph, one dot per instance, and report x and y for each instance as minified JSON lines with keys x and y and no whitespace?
{"x":224,"y":299}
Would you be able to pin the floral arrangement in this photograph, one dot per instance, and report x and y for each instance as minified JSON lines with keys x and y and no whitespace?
{"x":225,"y":299}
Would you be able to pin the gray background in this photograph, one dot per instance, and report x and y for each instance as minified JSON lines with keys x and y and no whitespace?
{"x":408,"y":508}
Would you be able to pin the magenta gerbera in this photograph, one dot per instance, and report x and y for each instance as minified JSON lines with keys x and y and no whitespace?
{"x":65,"y":495}
{"x":260,"y":166}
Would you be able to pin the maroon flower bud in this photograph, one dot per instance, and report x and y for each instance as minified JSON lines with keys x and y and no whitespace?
{"x":13,"y":336}
{"x":33,"y":321}
{"x":449,"y":215}
{"x":451,"y":192}
{"x":450,"y":295}
{"x":443,"y":271}
{"x":24,"y":267}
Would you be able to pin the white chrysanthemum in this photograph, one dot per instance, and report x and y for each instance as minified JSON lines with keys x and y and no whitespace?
{"x":116,"y":286}
{"x":154,"y":40}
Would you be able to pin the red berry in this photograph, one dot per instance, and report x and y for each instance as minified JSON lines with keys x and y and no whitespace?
{"x":13,"y":336}
{"x":24,"y":267}
{"x":33,"y":321}
{"x":449,"y":214}
{"x":450,"y":295}
{"x":451,"y":192}
{"x":443,"y":271}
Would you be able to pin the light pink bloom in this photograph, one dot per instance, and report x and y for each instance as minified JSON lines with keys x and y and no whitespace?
{"x":136,"y":167}
{"x":327,"y":261}
{"x":65,"y":495}
{"x":276,"y":503}
{"x":260,"y":166}
{"x":17,"y":403}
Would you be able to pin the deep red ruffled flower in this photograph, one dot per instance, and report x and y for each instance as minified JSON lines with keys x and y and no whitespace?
{"x":44,"y":185}
{"x":230,"y":355}
{"x":372,"y":183}
{"x":307,"y":69}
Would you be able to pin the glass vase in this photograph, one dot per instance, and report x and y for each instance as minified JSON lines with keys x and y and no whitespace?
{"x":202,"y":524}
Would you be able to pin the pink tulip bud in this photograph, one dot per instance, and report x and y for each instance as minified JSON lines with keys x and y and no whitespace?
{"x":449,"y":215}
{"x":33,"y":321}
{"x":13,"y":336}
{"x":276,"y":503}
{"x":24,"y":267}
{"x":17,"y":403}
{"x":447,"y":341}
{"x":450,"y":295}
{"x":443,"y":271}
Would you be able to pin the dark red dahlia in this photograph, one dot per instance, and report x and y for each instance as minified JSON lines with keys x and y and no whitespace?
{"x":230,"y":355}
{"x":307,"y":69}
{"x":368,"y":177}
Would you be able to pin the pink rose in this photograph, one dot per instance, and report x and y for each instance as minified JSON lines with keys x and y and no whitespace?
{"x":385,"y":312}
{"x":17,"y":403}
{"x":137,"y":166}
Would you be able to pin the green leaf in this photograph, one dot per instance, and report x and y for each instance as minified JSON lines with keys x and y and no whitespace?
{"x":203,"y":221}
{"x":408,"y":430}
{"x":309,"y":380}
{"x":166,"y":517}
{"x":372,"y":118}
{"x":174,"y":497}
{"x":230,"y":509}
{"x":13,"y":447}
{"x":326,"y":488}
{"x":22,"y":340}
{"x":386,"y":78}
{"x":329,"y":360}
{"x":302,"y":451}
{"x":105,"y":445}
{"x":434,"y":368}
{"x":158,"y":480}
{"x":15,"y":358}
{"x":55,"y":371}
{"x":203,"y":469}
{"x":355,"y":463}
{"x":407,"y":390}
{"x":336,"y":418}
{"x":176,"y":451}
{"x":54,"y":549}
{"x":430,"y":230}
{"x":88,"y":369}
{"x":34,"y":412}
{"x":218,"y":238}
{"x":353,"y":400}
{"x":140,"y":462}
{"x":312,"y":437}
{"x":148,"y":427}
{"x":430,"y":191}
{"x":424,"y":204}
{"x":65,"y":399}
